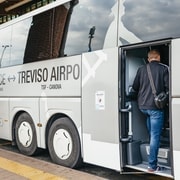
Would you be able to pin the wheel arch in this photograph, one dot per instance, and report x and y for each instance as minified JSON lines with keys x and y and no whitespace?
{"x":14,"y":123}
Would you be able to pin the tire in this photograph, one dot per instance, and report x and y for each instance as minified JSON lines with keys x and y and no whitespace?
{"x":64,"y":144}
{"x":25,"y":135}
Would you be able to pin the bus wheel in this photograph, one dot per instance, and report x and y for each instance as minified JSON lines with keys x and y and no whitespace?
{"x":25,"y":135}
{"x":64,"y":143}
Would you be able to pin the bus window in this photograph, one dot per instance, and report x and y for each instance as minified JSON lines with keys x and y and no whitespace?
{"x":19,"y":39}
{"x":150,"y":22}
{"x":5,"y":46}
{"x":45,"y":35}
{"x":96,"y":14}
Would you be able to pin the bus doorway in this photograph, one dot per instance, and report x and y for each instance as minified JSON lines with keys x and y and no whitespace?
{"x":134,"y":135}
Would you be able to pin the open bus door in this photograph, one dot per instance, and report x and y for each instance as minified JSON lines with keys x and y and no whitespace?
{"x":134,"y":137}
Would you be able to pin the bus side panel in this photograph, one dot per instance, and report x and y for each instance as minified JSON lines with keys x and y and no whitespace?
{"x":175,"y":106}
{"x":66,"y":98}
{"x":175,"y":68}
{"x":4,"y":119}
{"x":100,"y":108}
{"x":176,"y":135}
{"x":46,"y":78}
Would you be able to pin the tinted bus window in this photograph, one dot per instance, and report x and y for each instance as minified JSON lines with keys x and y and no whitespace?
{"x":87,"y":14}
{"x":20,"y":32}
{"x":5,"y":46}
{"x":148,"y":20}
{"x":13,"y":43}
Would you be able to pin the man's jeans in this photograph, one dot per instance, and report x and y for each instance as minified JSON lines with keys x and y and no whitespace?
{"x":155,"y":120}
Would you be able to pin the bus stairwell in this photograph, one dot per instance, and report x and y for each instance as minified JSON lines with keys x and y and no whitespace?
{"x":135,"y":137}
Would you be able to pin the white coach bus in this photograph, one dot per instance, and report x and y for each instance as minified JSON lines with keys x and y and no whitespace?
{"x":66,"y":70}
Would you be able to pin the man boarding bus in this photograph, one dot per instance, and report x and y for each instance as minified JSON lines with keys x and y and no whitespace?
{"x":56,"y":94}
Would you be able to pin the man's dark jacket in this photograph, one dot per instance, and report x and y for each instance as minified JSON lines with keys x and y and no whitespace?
{"x":160,"y":74}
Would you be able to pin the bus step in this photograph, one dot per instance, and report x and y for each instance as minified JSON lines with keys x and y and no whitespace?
{"x":163,"y":154}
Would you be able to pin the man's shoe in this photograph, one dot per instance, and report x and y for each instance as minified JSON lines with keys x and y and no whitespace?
{"x":158,"y":169}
